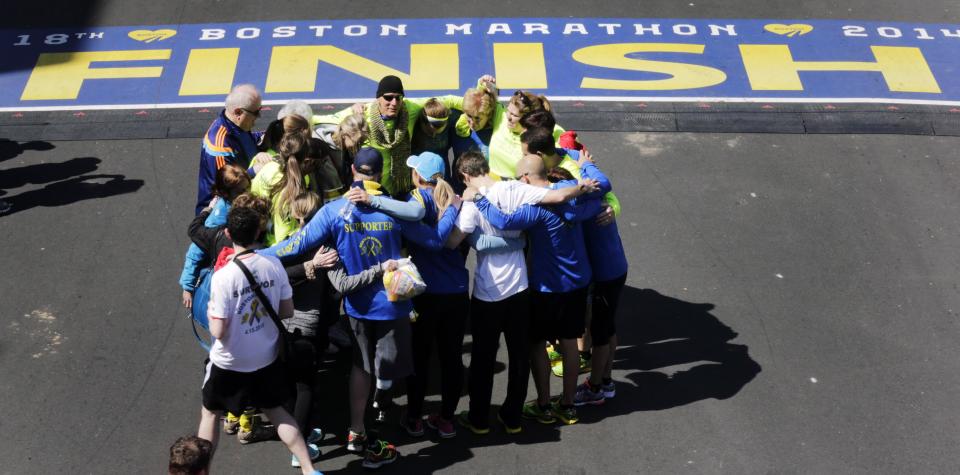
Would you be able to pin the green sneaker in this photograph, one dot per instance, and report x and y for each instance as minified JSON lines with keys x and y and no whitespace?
{"x":557,"y":367}
{"x":543,"y":415}
{"x":553,"y":354}
{"x":567,"y":415}
{"x":464,"y":420}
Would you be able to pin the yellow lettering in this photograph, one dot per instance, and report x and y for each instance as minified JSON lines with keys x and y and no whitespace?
{"x":772,"y":68}
{"x":294,"y":68}
{"x":614,"y":56}
{"x":520,"y":65}
{"x":60,"y":75}
{"x":209,"y":71}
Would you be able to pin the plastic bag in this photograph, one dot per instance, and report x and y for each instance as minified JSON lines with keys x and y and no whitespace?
{"x":404,"y":283}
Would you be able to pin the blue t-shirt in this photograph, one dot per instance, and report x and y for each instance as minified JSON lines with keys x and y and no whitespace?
{"x":368,"y":238}
{"x":559,"y":261}
{"x":444,"y":270}
{"x":604,"y":247}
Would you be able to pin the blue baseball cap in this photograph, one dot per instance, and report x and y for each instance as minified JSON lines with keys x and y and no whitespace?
{"x":368,"y":161}
{"x":427,"y":164}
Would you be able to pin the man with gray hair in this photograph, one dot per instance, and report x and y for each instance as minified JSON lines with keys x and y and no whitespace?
{"x":229,"y":139}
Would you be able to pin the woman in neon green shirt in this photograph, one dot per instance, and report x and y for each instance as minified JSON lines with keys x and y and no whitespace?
{"x":281,"y":180}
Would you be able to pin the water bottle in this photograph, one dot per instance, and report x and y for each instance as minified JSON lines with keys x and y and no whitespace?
{"x":348,"y":208}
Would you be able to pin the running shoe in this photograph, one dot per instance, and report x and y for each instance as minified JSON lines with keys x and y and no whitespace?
{"x":315,"y":436}
{"x":380,"y":453}
{"x":543,"y":415}
{"x":588,"y":394}
{"x":464,"y":420}
{"x":566,"y":415}
{"x":444,"y":427}
{"x":231,"y":424}
{"x":553,"y":354}
{"x":414,"y":427}
{"x":557,"y":367}
{"x":314,"y":452}
{"x":257,"y":433}
{"x":510,"y":429}
{"x":609,"y":390}
{"x":356,"y":443}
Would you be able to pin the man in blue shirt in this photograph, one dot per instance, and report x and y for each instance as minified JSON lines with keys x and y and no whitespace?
{"x":366,"y":237}
{"x":559,"y":274}
{"x":229,"y":139}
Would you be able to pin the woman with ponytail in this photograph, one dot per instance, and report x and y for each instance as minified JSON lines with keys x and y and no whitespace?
{"x":282,"y":180}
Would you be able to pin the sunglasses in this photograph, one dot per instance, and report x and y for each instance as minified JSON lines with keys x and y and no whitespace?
{"x":521,"y":176}
{"x":255,"y":113}
{"x":437,"y":123}
{"x":392,"y":97}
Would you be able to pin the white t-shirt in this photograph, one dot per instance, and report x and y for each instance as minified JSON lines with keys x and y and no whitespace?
{"x":250,"y":342}
{"x":502,"y":274}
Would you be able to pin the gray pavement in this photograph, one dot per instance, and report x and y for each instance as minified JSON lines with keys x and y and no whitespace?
{"x":792,"y":305}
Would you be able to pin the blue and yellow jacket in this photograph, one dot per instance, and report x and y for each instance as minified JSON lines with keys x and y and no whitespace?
{"x":223,"y":143}
{"x":364,"y":239}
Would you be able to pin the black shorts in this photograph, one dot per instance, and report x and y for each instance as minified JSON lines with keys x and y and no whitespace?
{"x":606,"y":298}
{"x":233,"y":391}
{"x":558,"y":315}
{"x":382,"y":347}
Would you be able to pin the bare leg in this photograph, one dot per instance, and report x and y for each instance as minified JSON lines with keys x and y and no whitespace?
{"x":359,"y":393}
{"x":290,"y":435}
{"x":540,"y":367}
{"x":571,"y":369}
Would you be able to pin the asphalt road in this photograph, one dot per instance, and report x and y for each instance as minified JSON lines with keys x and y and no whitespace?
{"x":792,"y":304}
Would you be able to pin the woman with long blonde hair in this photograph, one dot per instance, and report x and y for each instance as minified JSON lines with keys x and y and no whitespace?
{"x":282,"y":180}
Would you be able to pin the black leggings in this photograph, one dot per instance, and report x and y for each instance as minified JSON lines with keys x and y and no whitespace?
{"x":304,"y":371}
{"x":440,"y":320}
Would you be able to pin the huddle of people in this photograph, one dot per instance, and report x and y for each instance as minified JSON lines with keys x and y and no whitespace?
{"x":306,"y":218}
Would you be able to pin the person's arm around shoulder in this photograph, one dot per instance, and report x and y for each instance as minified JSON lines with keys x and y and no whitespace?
{"x":561,"y":195}
{"x":428,"y":236}
{"x":523,"y":218}
{"x":316,"y":231}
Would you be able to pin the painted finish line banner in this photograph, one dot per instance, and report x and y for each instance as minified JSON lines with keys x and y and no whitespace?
{"x":568,"y":59}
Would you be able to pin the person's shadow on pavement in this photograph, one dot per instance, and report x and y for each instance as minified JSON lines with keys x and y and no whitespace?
{"x":66,"y":182}
{"x":681,"y":353}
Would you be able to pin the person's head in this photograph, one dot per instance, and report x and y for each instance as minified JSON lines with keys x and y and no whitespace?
{"x":367,"y":164}
{"x":190,"y":456}
{"x":390,"y":96}
{"x":243,"y":106}
{"x":478,"y":106}
{"x":304,"y":206}
{"x":258,"y":204}
{"x":298,"y":108}
{"x":277,"y":129}
{"x":230,"y":182}
{"x":538,"y":119}
{"x":472,"y":165}
{"x":351,"y":133}
{"x":531,"y":170}
{"x":295,"y":164}
{"x":434,"y":118}
{"x":557,"y":174}
{"x":427,"y":169}
{"x":539,"y":141}
{"x":521,"y":103}
{"x":243,"y":226}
